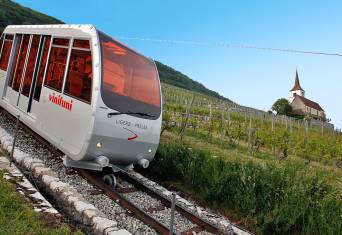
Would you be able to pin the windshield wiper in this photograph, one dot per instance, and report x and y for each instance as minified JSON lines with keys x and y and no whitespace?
{"x":109,"y":115}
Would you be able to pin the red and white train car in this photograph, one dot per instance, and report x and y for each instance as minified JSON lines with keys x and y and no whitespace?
{"x":92,"y":97}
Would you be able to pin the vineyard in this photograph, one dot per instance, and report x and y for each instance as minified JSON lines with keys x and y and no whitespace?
{"x":270,"y":174}
{"x":229,"y":125}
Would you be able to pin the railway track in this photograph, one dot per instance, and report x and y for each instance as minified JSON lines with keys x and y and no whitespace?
{"x":129,"y":185}
{"x":145,"y":212}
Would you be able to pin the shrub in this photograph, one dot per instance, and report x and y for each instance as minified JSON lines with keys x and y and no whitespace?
{"x":278,"y":198}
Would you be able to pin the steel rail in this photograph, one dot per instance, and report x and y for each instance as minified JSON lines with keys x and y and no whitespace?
{"x":140,"y":214}
{"x":207,"y":226}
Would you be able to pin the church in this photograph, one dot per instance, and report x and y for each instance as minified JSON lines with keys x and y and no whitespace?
{"x":303,"y":106}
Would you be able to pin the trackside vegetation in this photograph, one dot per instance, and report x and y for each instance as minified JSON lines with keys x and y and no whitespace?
{"x":273,"y":197}
{"x":18,"y":218}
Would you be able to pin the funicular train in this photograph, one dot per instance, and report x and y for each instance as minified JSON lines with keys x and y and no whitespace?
{"x":90,"y":96}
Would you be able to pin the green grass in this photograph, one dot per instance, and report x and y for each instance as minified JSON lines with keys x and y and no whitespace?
{"x":18,"y":217}
{"x":271,"y":197}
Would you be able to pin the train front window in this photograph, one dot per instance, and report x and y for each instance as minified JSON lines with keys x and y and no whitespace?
{"x":129,"y":81}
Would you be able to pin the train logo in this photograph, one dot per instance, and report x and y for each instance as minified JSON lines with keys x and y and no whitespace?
{"x":59,"y":101}
{"x":134,"y":134}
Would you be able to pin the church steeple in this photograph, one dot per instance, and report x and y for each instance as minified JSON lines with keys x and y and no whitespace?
{"x":297,"y":86}
{"x":296,"y":89}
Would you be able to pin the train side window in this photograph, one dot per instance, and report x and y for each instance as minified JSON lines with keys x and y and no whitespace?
{"x":41,"y":67}
{"x":20,"y":63}
{"x":9,"y":36}
{"x":79,"y":43}
{"x":16,"y":55}
{"x":56,"y":64}
{"x":6,"y":51}
{"x":30,"y":65}
{"x":79,"y":77}
{"x":1,"y":42}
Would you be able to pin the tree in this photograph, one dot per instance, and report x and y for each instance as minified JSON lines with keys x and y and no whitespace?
{"x":282,"y":107}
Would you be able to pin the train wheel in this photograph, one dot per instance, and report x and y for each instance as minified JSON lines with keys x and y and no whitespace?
{"x":110,"y":180}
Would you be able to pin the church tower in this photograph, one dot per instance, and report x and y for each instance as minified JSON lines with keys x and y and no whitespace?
{"x":296,"y":90}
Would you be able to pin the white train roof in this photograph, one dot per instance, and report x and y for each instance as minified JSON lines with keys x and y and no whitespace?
{"x":75,"y":30}
{"x":64,"y":30}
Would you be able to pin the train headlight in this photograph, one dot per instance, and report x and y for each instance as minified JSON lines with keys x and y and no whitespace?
{"x":99,"y":145}
{"x":149,"y":150}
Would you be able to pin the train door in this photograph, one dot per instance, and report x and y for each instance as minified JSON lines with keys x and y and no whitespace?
{"x":26,"y":68}
{"x":18,"y":68}
{"x":25,"y":94}
{"x":38,"y":76}
{"x":6,"y":43}
{"x":2,"y":75}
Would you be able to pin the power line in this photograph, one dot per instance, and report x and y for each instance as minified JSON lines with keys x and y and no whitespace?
{"x":229,"y":45}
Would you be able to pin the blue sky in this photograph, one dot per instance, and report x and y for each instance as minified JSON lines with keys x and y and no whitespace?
{"x":250,"y":77}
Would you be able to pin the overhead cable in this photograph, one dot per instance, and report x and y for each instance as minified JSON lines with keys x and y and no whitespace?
{"x":229,"y":45}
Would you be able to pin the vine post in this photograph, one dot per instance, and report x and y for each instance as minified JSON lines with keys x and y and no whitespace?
{"x":286,"y":123}
{"x":245,"y":117}
{"x":187,"y":115}
{"x":273,"y":147}
{"x":222,"y":123}
{"x":210,"y":120}
{"x":228,"y":113}
{"x":250,"y":135}
{"x":210,"y":111}
{"x":306,"y":124}
{"x":322,"y":129}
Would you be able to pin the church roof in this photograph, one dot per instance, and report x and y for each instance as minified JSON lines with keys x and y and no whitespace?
{"x":296,"y":86}
{"x":309,"y":103}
